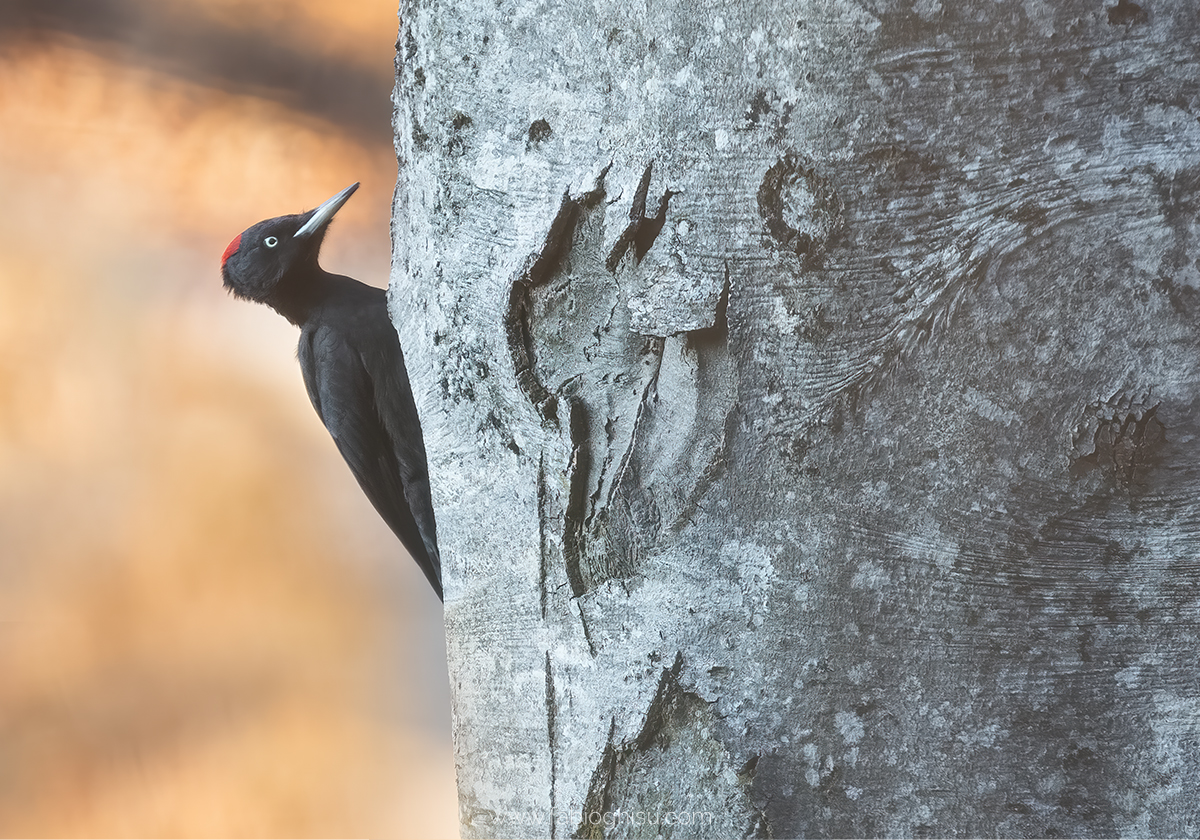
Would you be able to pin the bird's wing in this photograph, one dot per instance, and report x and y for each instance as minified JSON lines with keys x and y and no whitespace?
{"x":346,"y":399}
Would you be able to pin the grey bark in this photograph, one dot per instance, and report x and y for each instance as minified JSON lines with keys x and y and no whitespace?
{"x":811,"y":396}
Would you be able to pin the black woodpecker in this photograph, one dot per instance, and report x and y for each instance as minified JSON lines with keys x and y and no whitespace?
{"x":352,"y":364}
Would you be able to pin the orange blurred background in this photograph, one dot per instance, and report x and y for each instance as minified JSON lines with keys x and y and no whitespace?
{"x":205,"y":630}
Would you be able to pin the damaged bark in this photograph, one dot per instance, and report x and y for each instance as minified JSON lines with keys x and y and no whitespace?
{"x":811,"y":398}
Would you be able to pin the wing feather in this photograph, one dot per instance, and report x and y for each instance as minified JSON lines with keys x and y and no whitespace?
{"x":391,"y":471}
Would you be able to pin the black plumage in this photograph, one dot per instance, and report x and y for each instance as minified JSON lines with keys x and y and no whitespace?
{"x":352,"y":364}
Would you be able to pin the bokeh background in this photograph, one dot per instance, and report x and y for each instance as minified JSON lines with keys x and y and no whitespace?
{"x":205,"y":630}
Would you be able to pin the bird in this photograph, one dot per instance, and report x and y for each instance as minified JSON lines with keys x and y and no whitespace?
{"x":352,"y":365}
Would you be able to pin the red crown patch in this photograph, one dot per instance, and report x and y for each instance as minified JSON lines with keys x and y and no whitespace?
{"x":231,"y":249}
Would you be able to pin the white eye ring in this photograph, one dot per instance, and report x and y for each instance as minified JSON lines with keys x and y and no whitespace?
{"x":270,"y":241}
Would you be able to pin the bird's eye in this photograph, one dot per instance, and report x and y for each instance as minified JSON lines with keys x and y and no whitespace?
{"x":270,"y":241}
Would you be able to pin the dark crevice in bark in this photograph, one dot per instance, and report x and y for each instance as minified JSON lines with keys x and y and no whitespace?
{"x":711,"y":346}
{"x":587,"y":633}
{"x":656,"y":730}
{"x":543,"y":548}
{"x":758,"y":827}
{"x":1121,"y":437}
{"x":716,"y":336}
{"x":599,"y":800}
{"x":552,"y":742}
{"x":615,"y":425}
{"x":716,"y":468}
{"x":574,"y":518}
{"x":667,"y":699}
{"x":536,"y":271}
{"x":642,"y":230}
{"x":673,"y":769}
{"x":655,"y":348}
{"x":1126,"y":13}
{"x":539,"y":130}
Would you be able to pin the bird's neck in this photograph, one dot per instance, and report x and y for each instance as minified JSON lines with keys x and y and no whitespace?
{"x":299,"y":293}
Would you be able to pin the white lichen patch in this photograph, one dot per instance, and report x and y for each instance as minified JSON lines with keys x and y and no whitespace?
{"x":850,"y":726}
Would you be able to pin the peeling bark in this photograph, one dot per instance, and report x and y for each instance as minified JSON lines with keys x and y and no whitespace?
{"x":811,"y":398}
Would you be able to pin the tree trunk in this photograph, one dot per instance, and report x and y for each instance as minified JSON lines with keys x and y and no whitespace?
{"x":811,"y":396}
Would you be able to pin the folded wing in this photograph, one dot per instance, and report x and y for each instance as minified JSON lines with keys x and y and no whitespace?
{"x":364,"y":400}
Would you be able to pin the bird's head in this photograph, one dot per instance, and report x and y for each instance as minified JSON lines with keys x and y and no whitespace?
{"x":260,"y":257}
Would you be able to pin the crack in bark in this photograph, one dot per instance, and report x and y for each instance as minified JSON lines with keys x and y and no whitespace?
{"x":575,"y":514}
{"x":599,"y":798}
{"x":612,"y":392}
{"x":537,"y":270}
{"x":552,"y":744}
{"x":587,"y":634}
{"x":649,"y":394}
{"x":674,"y":767}
{"x":712,"y":471}
{"x":666,"y":701}
{"x":1120,"y":437}
{"x":667,"y":698}
{"x":543,"y":549}
{"x":718,"y":334}
{"x":642,"y":230}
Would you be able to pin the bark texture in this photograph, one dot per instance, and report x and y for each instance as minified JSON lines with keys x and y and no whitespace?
{"x":811,"y":396}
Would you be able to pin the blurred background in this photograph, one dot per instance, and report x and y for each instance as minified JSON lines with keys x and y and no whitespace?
{"x":205,"y":630}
